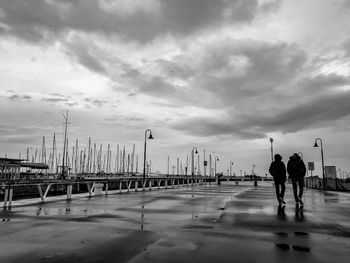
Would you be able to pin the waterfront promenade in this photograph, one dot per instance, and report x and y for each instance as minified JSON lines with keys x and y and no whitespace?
{"x":227,"y":223}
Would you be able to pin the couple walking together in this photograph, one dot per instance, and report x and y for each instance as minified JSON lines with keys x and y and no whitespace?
{"x":296,"y":170}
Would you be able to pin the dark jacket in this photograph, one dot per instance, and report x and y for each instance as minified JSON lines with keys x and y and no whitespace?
{"x":296,"y":167}
{"x":278,"y":170}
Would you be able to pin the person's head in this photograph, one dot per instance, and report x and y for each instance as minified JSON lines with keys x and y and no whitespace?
{"x":296,"y":156}
{"x":278,"y":157}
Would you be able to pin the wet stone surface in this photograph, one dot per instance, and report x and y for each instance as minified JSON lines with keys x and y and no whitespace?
{"x":227,"y":223}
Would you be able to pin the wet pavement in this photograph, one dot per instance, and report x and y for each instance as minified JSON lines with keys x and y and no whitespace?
{"x":227,"y":223}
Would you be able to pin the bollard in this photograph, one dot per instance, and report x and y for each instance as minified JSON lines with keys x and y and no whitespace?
{"x":69,"y":192}
{"x":10,"y":197}
{"x":6,"y":197}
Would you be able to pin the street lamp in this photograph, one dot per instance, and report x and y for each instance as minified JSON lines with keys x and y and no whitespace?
{"x":324,"y":179}
{"x":301,"y":155}
{"x":144,"y":152}
{"x":193,"y":153}
{"x":255,"y":179}
{"x":216,"y":159}
{"x":231,"y":163}
{"x":340,"y":174}
{"x":271,"y":141}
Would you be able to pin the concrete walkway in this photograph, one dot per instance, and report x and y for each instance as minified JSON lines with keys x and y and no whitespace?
{"x":226,"y":223}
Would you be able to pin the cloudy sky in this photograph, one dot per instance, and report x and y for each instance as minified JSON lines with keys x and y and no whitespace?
{"x":223,"y":75}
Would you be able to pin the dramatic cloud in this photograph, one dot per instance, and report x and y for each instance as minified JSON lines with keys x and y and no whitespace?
{"x":19,"y":97}
{"x":135,"y":20}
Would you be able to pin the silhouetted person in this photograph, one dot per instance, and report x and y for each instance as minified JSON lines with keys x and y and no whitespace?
{"x":296,"y":170}
{"x":278,"y":172}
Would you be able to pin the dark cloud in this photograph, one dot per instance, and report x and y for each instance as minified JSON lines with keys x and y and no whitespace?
{"x":346,"y":47}
{"x":271,"y":5}
{"x":245,"y":68}
{"x":322,"y":83}
{"x":320,"y":109}
{"x":98,"y":103}
{"x":257,"y":124}
{"x":57,"y":99}
{"x":71,"y":104}
{"x":92,"y":102}
{"x":13,"y":97}
{"x":142,"y":21}
{"x":111,"y":119}
{"x":344,"y":4}
{"x":209,"y":126}
{"x":85,"y":54}
{"x":19,"y":97}
{"x":215,"y":73}
{"x":118,"y":118}
{"x":21,"y":134}
{"x":56,"y":94}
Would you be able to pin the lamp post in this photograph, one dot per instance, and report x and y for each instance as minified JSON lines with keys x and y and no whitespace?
{"x":302,"y":158}
{"x":193,"y":152}
{"x":144,"y":153}
{"x":218,"y":180}
{"x":301,"y":155}
{"x":323,"y":176}
{"x":255,"y":179}
{"x":340,"y":174}
{"x":271,"y":141}
{"x":231,"y":163}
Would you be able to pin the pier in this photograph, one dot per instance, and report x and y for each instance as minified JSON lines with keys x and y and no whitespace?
{"x":199,"y":223}
{"x":92,"y":185}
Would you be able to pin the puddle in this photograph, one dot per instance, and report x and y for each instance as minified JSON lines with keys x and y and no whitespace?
{"x":301,"y":248}
{"x":197,"y":227}
{"x":162,"y":204}
{"x":282,"y":234}
{"x":297,"y":233}
{"x":282,"y":246}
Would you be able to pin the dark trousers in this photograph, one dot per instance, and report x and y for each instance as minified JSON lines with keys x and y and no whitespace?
{"x":299,"y":182}
{"x":280,"y":189}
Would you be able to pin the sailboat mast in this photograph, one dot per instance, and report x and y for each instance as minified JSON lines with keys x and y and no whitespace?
{"x":64,"y":144}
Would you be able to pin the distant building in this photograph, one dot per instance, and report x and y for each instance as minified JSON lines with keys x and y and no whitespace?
{"x":10,"y":169}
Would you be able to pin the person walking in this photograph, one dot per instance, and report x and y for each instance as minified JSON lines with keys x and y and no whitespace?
{"x":296,"y":170}
{"x":278,"y":172}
